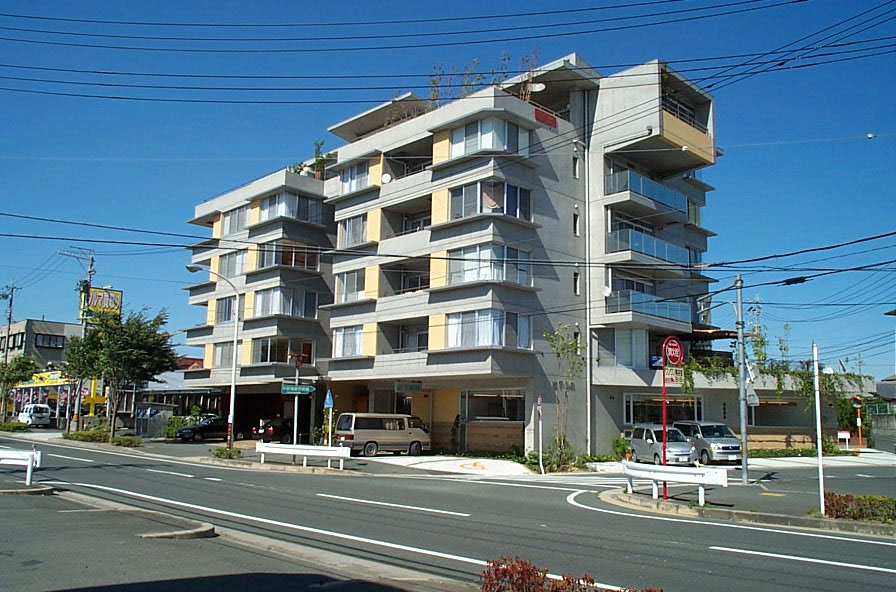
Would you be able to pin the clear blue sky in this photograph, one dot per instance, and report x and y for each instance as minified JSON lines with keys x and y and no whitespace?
{"x":798,"y":170}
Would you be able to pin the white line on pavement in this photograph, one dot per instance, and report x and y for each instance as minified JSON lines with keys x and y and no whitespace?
{"x":361,"y":501}
{"x":299,"y":527}
{"x":572,"y":501}
{"x":212,"y":479}
{"x":805,"y":559}
{"x":170,"y":473}
{"x":87,"y":460}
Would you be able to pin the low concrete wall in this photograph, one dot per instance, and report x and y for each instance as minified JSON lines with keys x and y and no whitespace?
{"x":783,"y":438}
{"x":494,"y":436}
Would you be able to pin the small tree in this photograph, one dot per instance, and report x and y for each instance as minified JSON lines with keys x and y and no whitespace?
{"x":19,"y":369}
{"x":121,"y":352}
{"x":567,"y":347}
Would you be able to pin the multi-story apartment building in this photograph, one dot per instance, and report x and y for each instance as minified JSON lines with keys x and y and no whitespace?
{"x":265,"y":265}
{"x":43,"y":341}
{"x":465,"y":233}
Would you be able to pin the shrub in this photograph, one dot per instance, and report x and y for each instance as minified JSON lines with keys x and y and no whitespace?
{"x":177,"y":421}
{"x":88,"y":436}
{"x":228,"y":453}
{"x":878,"y":508}
{"x":13,"y":426}
{"x":512,"y":574}
{"x":127,"y":441}
{"x":620,"y":447}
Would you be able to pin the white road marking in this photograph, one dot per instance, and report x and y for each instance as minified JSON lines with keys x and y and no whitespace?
{"x":212,"y":479}
{"x":299,"y":527}
{"x":419,"y":509}
{"x":805,"y":559}
{"x":170,"y":473}
{"x":87,"y":460}
{"x":571,"y":500}
{"x":865,"y":476}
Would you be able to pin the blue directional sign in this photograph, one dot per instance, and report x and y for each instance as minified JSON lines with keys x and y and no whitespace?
{"x":328,"y":402}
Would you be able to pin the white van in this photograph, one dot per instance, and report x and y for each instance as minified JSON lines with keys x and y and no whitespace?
{"x":368,"y":433}
{"x":35,"y":414}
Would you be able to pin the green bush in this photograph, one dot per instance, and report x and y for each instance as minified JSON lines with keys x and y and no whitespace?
{"x":13,"y":426}
{"x":127,"y":441}
{"x":878,"y":508}
{"x":786,"y":452}
{"x":620,"y":447}
{"x":228,"y":453}
{"x":178,"y":421}
{"x":88,"y":436}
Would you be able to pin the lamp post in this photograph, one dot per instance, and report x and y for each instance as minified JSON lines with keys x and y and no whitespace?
{"x":192,"y":268}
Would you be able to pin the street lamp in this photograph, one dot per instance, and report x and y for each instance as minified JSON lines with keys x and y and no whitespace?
{"x":192,"y":268}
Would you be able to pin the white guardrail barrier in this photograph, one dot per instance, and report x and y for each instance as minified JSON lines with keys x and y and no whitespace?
{"x":305,"y":451}
{"x":26,"y":458}
{"x":699,"y":476}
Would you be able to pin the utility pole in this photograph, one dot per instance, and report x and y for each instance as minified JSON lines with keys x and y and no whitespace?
{"x":8,"y":294}
{"x":84,"y":288}
{"x":741,"y":378}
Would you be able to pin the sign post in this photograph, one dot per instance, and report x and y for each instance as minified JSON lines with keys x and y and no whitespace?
{"x":857,"y":403}
{"x":540,"y":458}
{"x":673,"y":353}
{"x":328,"y":404}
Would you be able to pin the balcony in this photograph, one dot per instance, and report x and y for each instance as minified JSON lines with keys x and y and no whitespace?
{"x":632,"y":240}
{"x":648,"y":304}
{"x":630,"y":181}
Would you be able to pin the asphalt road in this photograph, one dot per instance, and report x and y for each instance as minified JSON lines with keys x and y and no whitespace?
{"x":449,"y":526}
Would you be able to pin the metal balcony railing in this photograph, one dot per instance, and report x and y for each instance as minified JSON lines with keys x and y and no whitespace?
{"x":631,"y":301}
{"x":632,"y":240}
{"x":630,"y":181}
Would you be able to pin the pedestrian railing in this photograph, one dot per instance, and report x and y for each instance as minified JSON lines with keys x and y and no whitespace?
{"x":700,"y":476}
{"x":306,"y":451}
{"x":27,"y":458}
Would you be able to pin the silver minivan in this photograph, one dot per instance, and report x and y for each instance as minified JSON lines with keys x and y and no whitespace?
{"x":647,"y":445}
{"x":368,"y":433}
{"x":35,"y":414}
{"x":714,"y":440}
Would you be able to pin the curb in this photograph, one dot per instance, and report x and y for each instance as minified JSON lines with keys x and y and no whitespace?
{"x":290,"y":468}
{"x":680,"y":509}
{"x":203,"y":531}
{"x":29,"y":490}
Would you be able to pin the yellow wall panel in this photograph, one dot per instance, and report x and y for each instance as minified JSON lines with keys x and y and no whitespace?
{"x":369,"y":339}
{"x":441,"y":146}
{"x":437,"y":331}
{"x":254,"y":212}
{"x":210,"y":313}
{"x":246,"y":352}
{"x":213,"y":265}
{"x":372,"y":281}
{"x":684,"y":134}
{"x":375,"y":171}
{"x":217,"y":226}
{"x":249,"y":305}
{"x":252,"y":258}
{"x":440,"y":203}
{"x":374,"y":225}
{"x":209,"y":358}
{"x":438,"y":269}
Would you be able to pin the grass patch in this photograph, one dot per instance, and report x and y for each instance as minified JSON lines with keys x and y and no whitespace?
{"x":127,"y":441}
{"x":227,"y":453}
{"x":13,"y":426}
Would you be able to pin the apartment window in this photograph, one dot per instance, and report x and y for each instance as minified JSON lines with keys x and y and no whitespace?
{"x":622,"y":222}
{"x":693,"y":213}
{"x":414,"y":281}
{"x":489,"y":134}
{"x":354,"y":178}
{"x":224,"y":309}
{"x":235,"y":220}
{"x":476,"y":328}
{"x":288,"y":253}
{"x":223,"y":354}
{"x":286,"y":301}
{"x":353,"y":231}
{"x":575,"y":224}
{"x":488,"y":262}
{"x":621,"y":283}
{"x":17,"y":340}
{"x":291,"y":205}
{"x":413,"y":338}
{"x":503,"y":404}
{"x":490,"y":196}
{"x":517,"y":330}
{"x":3,"y":343}
{"x":646,"y":408}
{"x":232,"y":264}
{"x":269,"y":350}
{"x":695,"y":257}
{"x":631,"y":348}
{"x":347,"y":341}
{"x":576,"y":282}
{"x":350,"y":286}
{"x":49,"y":341}
{"x":575,"y":167}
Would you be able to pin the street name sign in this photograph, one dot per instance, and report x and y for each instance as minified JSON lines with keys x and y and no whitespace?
{"x":297,"y":389}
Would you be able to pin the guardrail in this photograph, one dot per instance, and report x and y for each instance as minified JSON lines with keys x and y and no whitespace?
{"x":306,"y":451}
{"x":699,"y":476}
{"x":26,"y":458}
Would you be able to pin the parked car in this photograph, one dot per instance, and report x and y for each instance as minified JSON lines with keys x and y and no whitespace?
{"x":210,"y":427}
{"x":368,"y":433}
{"x":35,"y":414}
{"x":715,"y":441}
{"x":647,"y":445}
{"x":276,"y":430}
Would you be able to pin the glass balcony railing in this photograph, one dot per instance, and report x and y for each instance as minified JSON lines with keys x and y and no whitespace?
{"x":630,"y":181}
{"x":632,"y":240}
{"x":631,"y":301}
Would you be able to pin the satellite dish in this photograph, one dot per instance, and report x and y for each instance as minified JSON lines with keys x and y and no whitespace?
{"x":607,"y":291}
{"x":536,"y":87}
{"x":387,"y":178}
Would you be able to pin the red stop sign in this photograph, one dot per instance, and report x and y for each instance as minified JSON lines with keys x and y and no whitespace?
{"x":674,"y":351}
